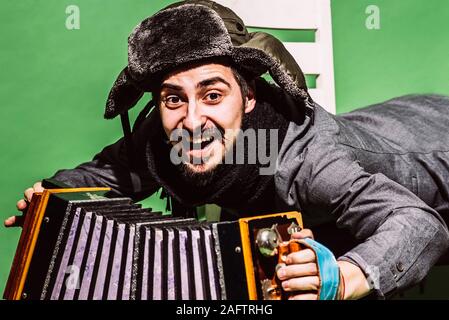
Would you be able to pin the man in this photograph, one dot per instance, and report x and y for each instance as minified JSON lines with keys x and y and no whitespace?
{"x":380,"y":173}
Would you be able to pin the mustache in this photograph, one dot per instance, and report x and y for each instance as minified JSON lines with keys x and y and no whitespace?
{"x":177,"y":135}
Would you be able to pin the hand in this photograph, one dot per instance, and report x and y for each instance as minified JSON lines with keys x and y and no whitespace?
{"x":300,"y":275}
{"x":22,"y":204}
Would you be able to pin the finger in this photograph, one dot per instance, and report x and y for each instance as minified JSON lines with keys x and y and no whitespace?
{"x":14,"y":221}
{"x":297,"y":270}
{"x":9,"y":222}
{"x":304,"y":233}
{"x":21,"y":204}
{"x":302,"y":256}
{"x":301,"y":284}
{"x":38,"y":187}
{"x":28,"y":194}
{"x":305,"y":296}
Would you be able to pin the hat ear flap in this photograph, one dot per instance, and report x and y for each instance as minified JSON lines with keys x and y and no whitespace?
{"x":279,"y":62}
{"x":123,"y":95}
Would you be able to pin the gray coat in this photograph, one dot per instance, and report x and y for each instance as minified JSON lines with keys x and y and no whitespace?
{"x":381,"y":173}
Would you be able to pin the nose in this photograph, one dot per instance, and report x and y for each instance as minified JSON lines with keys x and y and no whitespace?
{"x":193,"y":119}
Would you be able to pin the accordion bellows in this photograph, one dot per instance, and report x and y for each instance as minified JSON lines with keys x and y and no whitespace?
{"x":77,"y":244}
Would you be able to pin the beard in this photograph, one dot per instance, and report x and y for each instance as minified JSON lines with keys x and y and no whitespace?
{"x":204,"y":178}
{"x":200,"y":179}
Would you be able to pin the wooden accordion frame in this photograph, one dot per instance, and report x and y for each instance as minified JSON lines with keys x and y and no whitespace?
{"x":79,"y":244}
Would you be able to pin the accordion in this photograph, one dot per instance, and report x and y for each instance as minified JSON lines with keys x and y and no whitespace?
{"x":78,"y":244}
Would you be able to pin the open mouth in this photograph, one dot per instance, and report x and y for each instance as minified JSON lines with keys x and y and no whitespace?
{"x":200,"y":148}
{"x":202,"y":143}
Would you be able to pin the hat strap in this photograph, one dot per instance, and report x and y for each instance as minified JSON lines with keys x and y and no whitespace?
{"x":130,"y":150}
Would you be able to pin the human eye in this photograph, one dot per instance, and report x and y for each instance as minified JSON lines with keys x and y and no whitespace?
{"x":173,"y":101}
{"x":213,"y":97}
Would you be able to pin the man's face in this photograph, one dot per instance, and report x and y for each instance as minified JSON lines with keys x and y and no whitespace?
{"x":204,"y":100}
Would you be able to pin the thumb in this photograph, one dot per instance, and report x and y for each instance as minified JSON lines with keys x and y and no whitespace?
{"x":304,"y":233}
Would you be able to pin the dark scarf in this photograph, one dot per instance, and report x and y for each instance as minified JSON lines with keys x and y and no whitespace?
{"x":236,"y":186}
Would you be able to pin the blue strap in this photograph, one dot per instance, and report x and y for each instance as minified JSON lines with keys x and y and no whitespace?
{"x":327,"y":268}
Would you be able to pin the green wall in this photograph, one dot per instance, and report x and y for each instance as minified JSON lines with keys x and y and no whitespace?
{"x":54,"y":81}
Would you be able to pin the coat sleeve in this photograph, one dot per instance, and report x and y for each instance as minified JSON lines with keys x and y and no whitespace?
{"x":110,"y":168}
{"x":400,"y":236}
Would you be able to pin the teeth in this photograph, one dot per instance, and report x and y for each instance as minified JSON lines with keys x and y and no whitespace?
{"x":204,"y":139}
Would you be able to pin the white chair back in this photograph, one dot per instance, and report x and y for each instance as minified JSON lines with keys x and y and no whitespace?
{"x":314,"y":58}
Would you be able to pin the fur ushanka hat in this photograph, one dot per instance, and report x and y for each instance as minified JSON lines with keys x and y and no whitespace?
{"x":194,"y":30}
